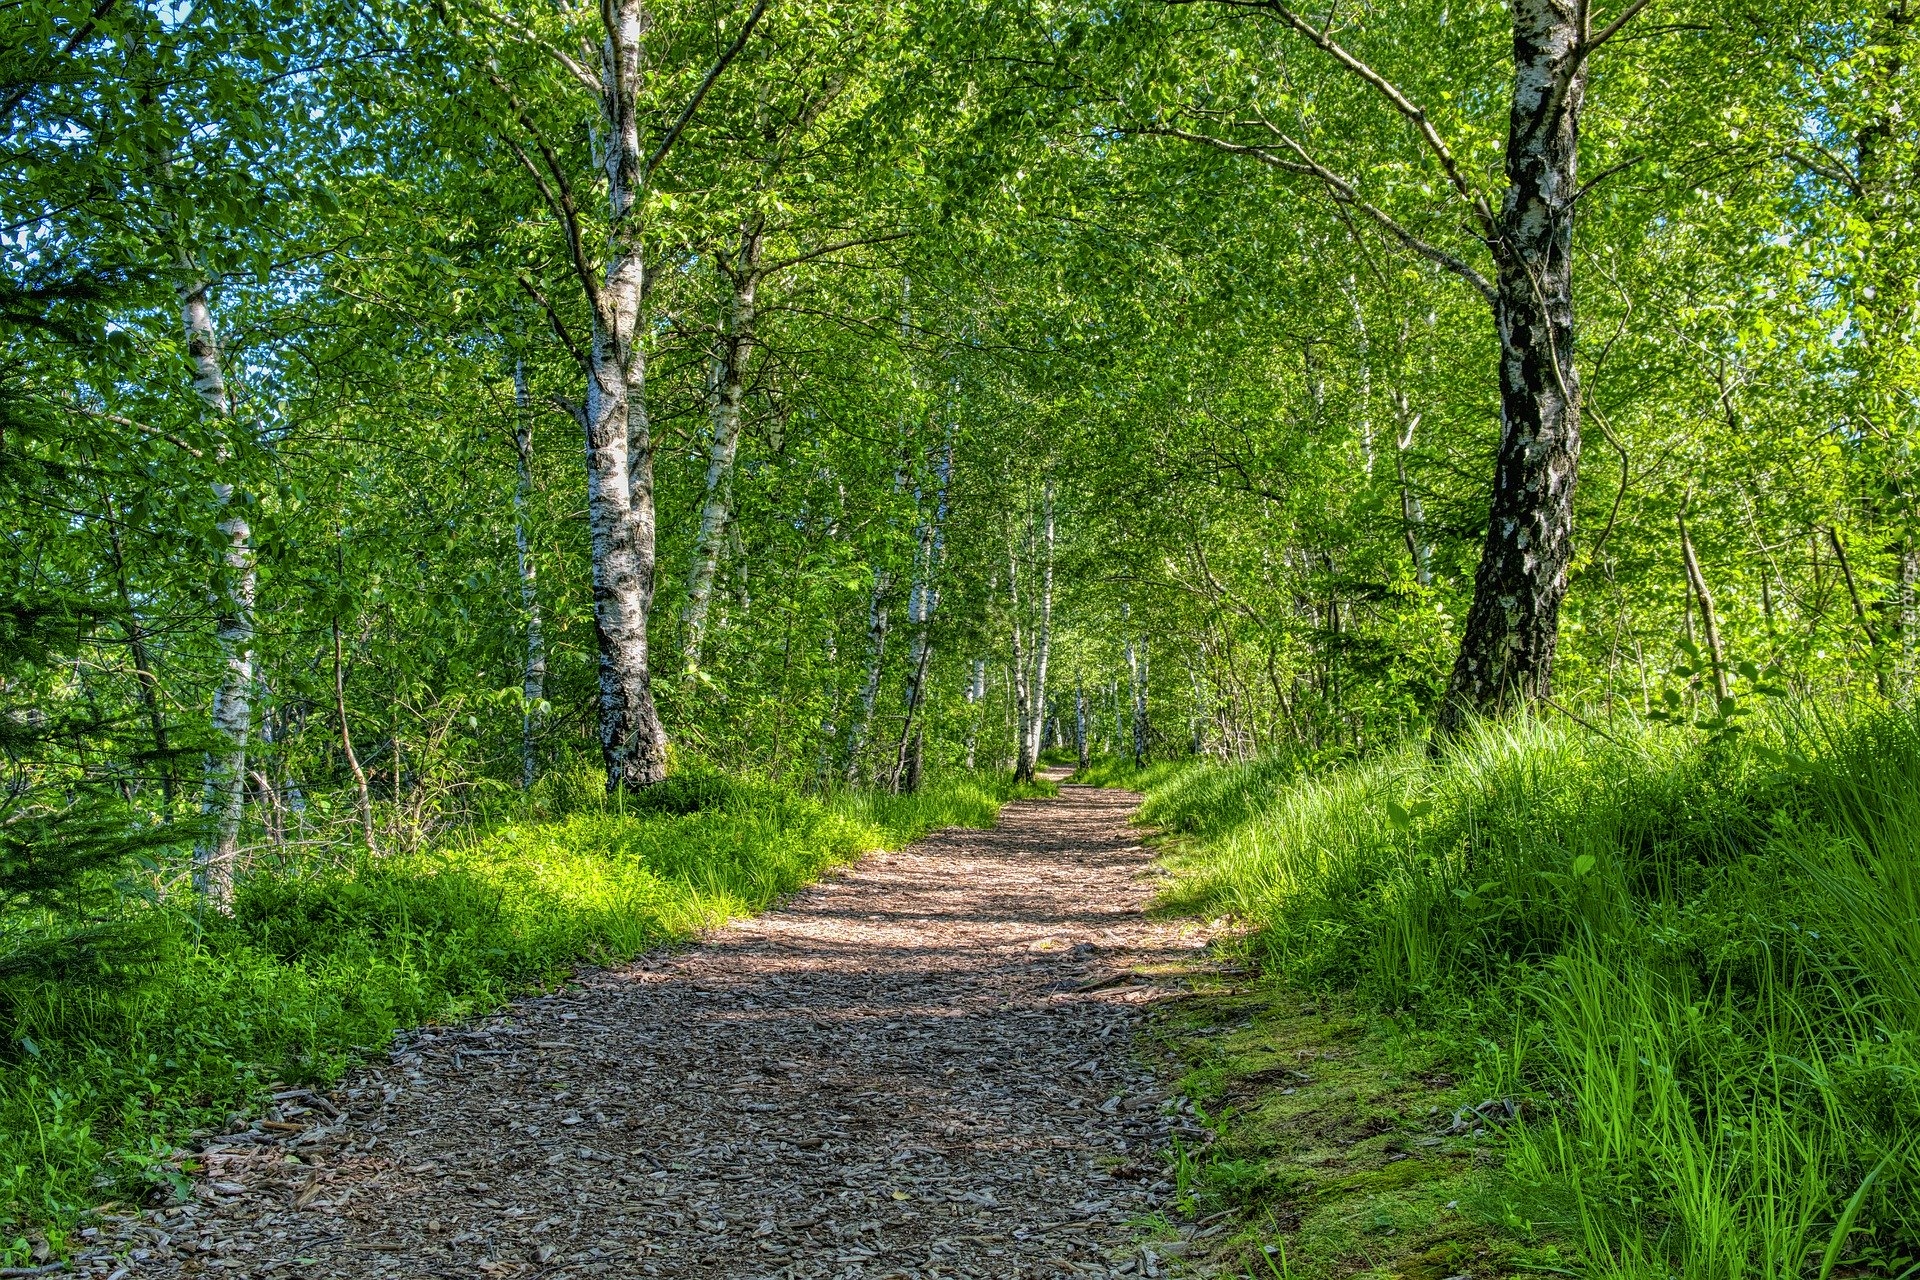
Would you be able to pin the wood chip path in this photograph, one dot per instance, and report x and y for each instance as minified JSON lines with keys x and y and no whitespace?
{"x":924,"y":1067}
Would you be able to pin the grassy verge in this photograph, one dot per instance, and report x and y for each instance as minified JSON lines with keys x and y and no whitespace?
{"x":316,"y":970}
{"x":1680,"y":978}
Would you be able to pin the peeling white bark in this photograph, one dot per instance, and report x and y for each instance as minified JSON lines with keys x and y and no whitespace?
{"x":224,"y":802}
{"x":619,"y":445}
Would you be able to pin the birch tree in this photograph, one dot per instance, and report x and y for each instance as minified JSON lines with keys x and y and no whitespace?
{"x":621,"y":514}
{"x":236,"y":583}
{"x":533,"y":679}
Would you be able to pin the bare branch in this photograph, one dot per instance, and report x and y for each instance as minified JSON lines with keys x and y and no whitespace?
{"x":693,"y":103}
{"x":119,"y":421}
{"x":532,"y":290}
{"x":1387,"y":89}
{"x":1345,"y":193}
{"x":578,"y":70}
{"x":1603,"y":175}
{"x":1823,"y":165}
{"x":777,"y":267}
{"x":1612,"y":29}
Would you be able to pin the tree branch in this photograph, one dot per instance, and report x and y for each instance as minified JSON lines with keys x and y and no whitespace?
{"x":1612,"y":29}
{"x":532,"y":290}
{"x":578,"y":70}
{"x":565,"y":212}
{"x":823,"y":250}
{"x":119,"y":421}
{"x":1345,"y":193}
{"x":693,"y":103}
{"x":1387,"y":89}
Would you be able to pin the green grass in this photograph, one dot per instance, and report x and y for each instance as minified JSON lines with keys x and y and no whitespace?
{"x":1694,"y":964}
{"x":316,"y":970}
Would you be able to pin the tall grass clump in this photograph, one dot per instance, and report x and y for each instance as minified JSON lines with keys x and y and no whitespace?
{"x":319,"y":965}
{"x":1700,"y":959}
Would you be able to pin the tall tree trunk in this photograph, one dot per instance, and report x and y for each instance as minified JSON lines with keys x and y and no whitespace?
{"x":734,"y":351}
{"x":533,"y":680}
{"x":1507,"y":650}
{"x":226,"y":771}
{"x":1413,"y":516}
{"x":1034,"y":721}
{"x":976,"y":694}
{"x":1022,"y":687}
{"x":1080,"y":723}
{"x":923,"y":600}
{"x":619,"y":444}
{"x":346,"y":743}
{"x":1136,"y":686}
{"x":877,"y":610}
{"x":1709,"y":619}
{"x":870,"y":687}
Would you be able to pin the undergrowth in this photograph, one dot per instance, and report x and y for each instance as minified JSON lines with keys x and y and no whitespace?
{"x":1693,"y":966}
{"x":318,"y":966}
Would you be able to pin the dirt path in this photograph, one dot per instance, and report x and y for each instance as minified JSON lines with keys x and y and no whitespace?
{"x":911,"y":1070}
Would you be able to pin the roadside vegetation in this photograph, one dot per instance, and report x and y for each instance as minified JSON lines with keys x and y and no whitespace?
{"x":320,"y":963}
{"x":1676,"y":978}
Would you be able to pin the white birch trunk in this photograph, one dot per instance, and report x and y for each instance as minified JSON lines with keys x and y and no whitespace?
{"x":1413,"y":516}
{"x":533,"y":680}
{"x":224,"y":803}
{"x":1022,"y":687}
{"x":1080,"y":723}
{"x":923,"y":601}
{"x":976,"y":693}
{"x":735,"y":349}
{"x":1043,"y":636}
{"x":1133,"y":697}
{"x":619,"y":445}
{"x":870,"y":687}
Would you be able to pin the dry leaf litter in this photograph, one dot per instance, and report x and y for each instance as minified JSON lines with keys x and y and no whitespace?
{"x":925,"y":1067}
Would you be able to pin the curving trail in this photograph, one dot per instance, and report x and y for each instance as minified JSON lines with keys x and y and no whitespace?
{"x":924,"y":1067}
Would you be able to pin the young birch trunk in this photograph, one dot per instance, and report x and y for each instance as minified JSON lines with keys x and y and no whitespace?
{"x":142,"y":661}
{"x":922,"y":602}
{"x":1035,"y":721}
{"x":870,"y":687}
{"x":976,"y":694}
{"x":226,"y":770}
{"x":1709,"y":620}
{"x":876,"y":646}
{"x":1022,"y":688}
{"x":1506,"y":652}
{"x":619,"y":445}
{"x":736,"y":347}
{"x":533,"y":680}
{"x":1080,"y":723}
{"x":1137,"y":675}
{"x":1413,"y":516}
{"x":346,"y":743}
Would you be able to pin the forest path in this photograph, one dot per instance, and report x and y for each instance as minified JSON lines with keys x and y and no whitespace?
{"x":923,"y":1067}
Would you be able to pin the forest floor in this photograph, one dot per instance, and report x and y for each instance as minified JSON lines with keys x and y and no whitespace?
{"x":927,"y":1066}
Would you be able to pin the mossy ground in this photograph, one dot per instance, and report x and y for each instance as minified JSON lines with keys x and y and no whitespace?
{"x":1335,"y":1150}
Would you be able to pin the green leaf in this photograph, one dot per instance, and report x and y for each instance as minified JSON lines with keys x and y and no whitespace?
{"x":1582,"y":865}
